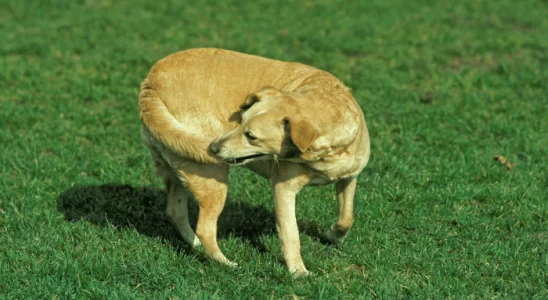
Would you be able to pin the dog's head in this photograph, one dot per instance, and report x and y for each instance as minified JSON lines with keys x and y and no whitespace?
{"x":272,"y":126}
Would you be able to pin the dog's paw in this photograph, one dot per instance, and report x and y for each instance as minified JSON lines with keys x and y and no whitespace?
{"x":225,"y":261}
{"x":333,"y":237}
{"x":298,"y":270}
{"x":301,"y":274}
{"x":231,"y":264}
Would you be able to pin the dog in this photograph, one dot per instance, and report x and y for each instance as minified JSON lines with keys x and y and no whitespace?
{"x":203,"y":110}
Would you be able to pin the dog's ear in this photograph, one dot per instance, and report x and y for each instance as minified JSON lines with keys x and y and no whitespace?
{"x":249,"y":101}
{"x":256,"y":97}
{"x":302,"y":132}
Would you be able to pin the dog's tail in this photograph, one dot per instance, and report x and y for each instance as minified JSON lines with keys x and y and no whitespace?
{"x":164,"y":127}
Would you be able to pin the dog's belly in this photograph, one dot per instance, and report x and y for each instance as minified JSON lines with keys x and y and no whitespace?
{"x":320,"y":180}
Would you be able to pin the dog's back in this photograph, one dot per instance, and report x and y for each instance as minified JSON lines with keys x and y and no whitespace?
{"x":191,"y":97}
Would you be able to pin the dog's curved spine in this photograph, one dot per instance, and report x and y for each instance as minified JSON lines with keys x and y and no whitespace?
{"x":163,"y":126}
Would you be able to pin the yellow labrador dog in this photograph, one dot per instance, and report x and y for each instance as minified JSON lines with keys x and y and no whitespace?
{"x":204,"y":110}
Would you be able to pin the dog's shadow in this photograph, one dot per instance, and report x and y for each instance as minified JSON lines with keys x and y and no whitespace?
{"x":143,"y":208}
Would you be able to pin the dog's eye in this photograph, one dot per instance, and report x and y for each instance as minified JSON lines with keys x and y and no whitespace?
{"x":250,"y":136}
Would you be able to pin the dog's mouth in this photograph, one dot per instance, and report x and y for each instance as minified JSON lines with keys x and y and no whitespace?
{"x":243,"y":159}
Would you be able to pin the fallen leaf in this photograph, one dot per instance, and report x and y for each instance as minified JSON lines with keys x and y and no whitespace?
{"x":504,"y":162}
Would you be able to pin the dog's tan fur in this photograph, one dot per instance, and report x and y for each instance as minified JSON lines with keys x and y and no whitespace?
{"x":205,"y":109}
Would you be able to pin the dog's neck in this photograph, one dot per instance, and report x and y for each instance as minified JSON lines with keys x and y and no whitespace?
{"x":335,"y":154}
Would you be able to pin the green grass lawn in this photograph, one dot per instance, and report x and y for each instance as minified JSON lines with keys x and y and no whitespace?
{"x":444,"y":86}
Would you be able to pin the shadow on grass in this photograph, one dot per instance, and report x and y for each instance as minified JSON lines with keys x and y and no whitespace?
{"x":124,"y":206}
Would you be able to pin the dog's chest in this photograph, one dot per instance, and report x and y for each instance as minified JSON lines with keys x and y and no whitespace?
{"x":323,"y":172}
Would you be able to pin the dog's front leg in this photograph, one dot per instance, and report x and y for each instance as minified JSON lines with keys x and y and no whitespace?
{"x":286,"y":224}
{"x":345,"y":188}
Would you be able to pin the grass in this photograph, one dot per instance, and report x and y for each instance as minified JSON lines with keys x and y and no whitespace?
{"x":444,"y":86}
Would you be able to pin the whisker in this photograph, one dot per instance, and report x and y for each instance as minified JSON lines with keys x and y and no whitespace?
{"x":275,"y":158}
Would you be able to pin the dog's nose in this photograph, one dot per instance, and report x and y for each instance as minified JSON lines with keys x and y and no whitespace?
{"x":214,"y":147}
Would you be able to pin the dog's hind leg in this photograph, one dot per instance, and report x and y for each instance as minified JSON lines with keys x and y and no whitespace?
{"x":177,"y":209}
{"x":177,"y":195}
{"x":208,"y":184}
{"x":345,"y":188}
